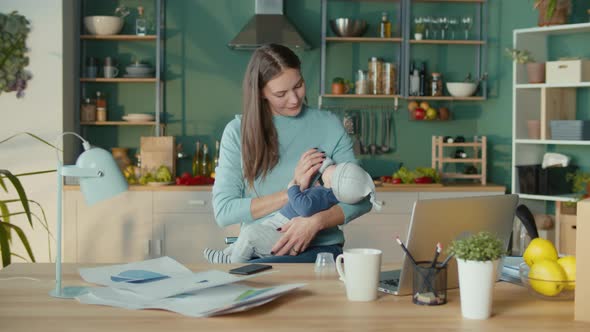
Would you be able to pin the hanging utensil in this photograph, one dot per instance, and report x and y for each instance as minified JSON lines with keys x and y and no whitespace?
{"x":386,"y":133}
{"x":372,"y":134}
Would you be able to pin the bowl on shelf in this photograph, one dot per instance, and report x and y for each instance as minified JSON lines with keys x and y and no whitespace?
{"x":461,"y":89}
{"x":103,"y":25}
{"x":348,"y":27}
{"x":139,"y":70}
{"x":564,"y":290}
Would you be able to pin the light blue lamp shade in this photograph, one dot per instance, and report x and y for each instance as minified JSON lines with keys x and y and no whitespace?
{"x":109,"y":184}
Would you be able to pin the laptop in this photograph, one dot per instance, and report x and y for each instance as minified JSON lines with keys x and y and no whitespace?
{"x":444,"y":220}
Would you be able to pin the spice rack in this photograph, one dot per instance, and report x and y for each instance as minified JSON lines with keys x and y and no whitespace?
{"x":478,"y":158}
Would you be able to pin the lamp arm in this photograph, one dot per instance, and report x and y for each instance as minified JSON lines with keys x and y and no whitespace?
{"x":79,"y":172}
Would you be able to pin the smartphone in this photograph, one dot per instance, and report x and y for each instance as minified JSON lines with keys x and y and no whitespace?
{"x":250,"y":269}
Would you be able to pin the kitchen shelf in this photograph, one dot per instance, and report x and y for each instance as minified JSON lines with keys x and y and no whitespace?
{"x":553,"y":85}
{"x":120,"y":123}
{"x":118,"y":37}
{"x":363,"y":40}
{"x":447,"y":42}
{"x":550,"y":142}
{"x":555,"y":29}
{"x":355,"y":96}
{"x":120,"y":80}
{"x":449,"y":98}
{"x":461,"y":160}
{"x":561,"y":198}
{"x":451,"y":1}
{"x":460,"y":176}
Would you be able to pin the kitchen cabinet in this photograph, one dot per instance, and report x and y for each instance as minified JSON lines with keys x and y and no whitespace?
{"x":144,"y":223}
{"x":401,"y":47}
{"x":541,"y":103}
{"x":125,"y":48}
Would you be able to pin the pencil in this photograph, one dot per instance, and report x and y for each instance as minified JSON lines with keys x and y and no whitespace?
{"x":406,"y":250}
{"x":444,"y":263}
{"x":436,"y":253}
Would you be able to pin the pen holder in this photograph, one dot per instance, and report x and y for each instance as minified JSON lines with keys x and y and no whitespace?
{"x":429,"y":284}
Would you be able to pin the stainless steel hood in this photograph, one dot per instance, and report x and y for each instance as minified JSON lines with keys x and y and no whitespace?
{"x":268,"y":25}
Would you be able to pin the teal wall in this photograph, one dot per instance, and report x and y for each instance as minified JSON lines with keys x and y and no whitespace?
{"x":203,"y":76}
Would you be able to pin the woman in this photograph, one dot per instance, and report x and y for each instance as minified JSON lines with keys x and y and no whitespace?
{"x":277,"y":139}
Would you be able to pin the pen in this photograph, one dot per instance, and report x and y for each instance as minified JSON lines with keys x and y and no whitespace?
{"x":405,"y":250}
{"x":444,"y":263}
{"x":436,"y":253}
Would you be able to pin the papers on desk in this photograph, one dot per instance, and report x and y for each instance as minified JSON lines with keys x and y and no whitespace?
{"x":510,"y":269}
{"x":163,"y":283}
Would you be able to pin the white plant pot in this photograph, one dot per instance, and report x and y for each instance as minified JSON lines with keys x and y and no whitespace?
{"x":418,"y":36}
{"x":476,"y":286}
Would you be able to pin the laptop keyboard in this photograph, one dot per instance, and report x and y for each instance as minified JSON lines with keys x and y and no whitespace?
{"x":391,"y":282}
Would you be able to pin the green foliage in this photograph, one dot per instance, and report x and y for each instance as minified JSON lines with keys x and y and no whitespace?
{"x":14,"y":29}
{"x":579,"y":180}
{"x":481,"y":247}
{"x":520,"y":56}
{"x":420,"y":27}
{"x":22,"y":203}
{"x":408,"y":176}
{"x":552,"y":5}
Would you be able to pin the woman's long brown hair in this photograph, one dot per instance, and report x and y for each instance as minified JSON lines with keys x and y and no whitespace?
{"x":260,"y":141}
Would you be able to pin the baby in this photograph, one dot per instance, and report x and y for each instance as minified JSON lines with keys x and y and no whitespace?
{"x":345,"y":182}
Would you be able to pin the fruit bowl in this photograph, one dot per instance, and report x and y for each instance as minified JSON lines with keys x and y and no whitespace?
{"x":540,"y":288}
{"x":461,"y":89}
{"x":103,"y":25}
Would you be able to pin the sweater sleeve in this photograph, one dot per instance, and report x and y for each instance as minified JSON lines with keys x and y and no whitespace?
{"x":343,"y":152}
{"x":308,"y":202}
{"x":229,"y":204}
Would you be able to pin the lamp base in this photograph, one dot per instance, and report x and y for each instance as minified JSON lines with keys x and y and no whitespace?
{"x":68,"y":292}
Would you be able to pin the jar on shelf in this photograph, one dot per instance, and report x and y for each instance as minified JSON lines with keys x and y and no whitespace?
{"x":389,"y":78}
{"x":101,"y":107}
{"x":375,"y":76}
{"x":361,"y":84}
{"x":436,"y":85}
{"x":87,"y":111}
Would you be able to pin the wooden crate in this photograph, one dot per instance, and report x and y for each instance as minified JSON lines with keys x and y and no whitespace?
{"x":478,"y":157}
{"x":567,"y":234}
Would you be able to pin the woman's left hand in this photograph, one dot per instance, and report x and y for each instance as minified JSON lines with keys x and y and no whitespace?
{"x":297,"y":235}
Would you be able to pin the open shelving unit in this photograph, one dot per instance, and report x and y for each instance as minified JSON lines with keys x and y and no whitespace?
{"x":440,"y":156}
{"x":543,"y":102}
{"x":403,"y":53}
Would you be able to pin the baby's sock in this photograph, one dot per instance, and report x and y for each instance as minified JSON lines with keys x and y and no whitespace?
{"x":216,"y":256}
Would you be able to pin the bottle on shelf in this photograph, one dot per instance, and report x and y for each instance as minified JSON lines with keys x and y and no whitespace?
{"x":140,"y":22}
{"x":385,"y":26}
{"x":422,"y":79}
{"x":215,"y":159}
{"x":460,"y":154}
{"x":436,"y":85}
{"x":88,"y":111}
{"x":101,"y":107}
{"x":206,"y":162}
{"x":414,"y":81}
{"x":197,"y":158}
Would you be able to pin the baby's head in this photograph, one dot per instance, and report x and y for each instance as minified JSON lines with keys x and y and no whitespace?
{"x":349,"y":182}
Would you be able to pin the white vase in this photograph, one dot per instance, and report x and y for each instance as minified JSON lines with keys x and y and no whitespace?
{"x":418,"y":36}
{"x":476,"y":286}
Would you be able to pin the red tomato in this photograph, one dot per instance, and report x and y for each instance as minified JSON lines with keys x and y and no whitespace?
{"x":396,"y":180}
{"x":423,"y":180}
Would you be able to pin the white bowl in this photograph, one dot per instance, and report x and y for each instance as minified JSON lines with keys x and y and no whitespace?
{"x":135,"y":70}
{"x":103,"y":25}
{"x":461,"y":89}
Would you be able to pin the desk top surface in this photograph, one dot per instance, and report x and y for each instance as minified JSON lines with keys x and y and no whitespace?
{"x":322,"y":305}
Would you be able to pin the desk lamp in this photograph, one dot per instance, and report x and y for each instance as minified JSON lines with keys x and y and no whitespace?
{"x":100,"y":178}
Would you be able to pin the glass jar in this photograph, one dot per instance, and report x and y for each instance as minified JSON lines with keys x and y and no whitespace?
{"x":375,"y":76}
{"x":389,"y":78}
{"x":436,"y":85}
{"x":87,"y":111}
{"x":361,"y":84}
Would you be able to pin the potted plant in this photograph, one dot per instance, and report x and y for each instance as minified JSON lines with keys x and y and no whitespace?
{"x":535,"y":70}
{"x":340,"y":86}
{"x":553,"y":12}
{"x":13,"y":53}
{"x":15,"y":206}
{"x":580,"y":183}
{"x":419,"y":31}
{"x":477,"y":260}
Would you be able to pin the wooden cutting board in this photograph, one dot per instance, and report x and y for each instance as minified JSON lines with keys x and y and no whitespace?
{"x":158,"y":151}
{"x":410,"y":185}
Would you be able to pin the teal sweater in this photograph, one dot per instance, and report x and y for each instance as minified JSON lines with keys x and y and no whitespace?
{"x":311,"y":128}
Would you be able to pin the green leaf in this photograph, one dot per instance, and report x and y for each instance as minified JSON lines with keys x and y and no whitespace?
{"x":21,"y":192}
{"x":23,"y":239}
{"x":4,"y":244}
{"x":33,"y":136}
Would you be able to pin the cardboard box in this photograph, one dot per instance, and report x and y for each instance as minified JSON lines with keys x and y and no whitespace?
{"x":567,"y":71}
{"x":157,"y":151}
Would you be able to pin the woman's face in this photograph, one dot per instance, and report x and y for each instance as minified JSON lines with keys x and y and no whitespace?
{"x":285,"y":93}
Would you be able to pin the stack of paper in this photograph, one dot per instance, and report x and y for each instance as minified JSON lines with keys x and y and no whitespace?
{"x":163,"y":283}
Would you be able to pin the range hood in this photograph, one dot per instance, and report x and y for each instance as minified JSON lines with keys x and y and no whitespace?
{"x":268,"y":25}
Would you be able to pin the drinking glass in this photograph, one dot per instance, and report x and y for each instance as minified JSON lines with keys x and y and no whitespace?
{"x":444,"y":26}
{"x":467,"y":22}
{"x":428,"y":23}
{"x":453,"y":24}
{"x":436,"y":24}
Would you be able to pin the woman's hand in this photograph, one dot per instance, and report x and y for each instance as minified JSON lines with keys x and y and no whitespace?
{"x":297,"y":235}
{"x":309,"y":163}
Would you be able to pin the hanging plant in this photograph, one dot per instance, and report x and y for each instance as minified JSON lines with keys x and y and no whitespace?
{"x":14,"y":29}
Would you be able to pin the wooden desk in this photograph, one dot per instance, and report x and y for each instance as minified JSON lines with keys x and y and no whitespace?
{"x":321,"y":306}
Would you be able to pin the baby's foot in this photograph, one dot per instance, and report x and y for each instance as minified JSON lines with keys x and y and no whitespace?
{"x":216,"y":256}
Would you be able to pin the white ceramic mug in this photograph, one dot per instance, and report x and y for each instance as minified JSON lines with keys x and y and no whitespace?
{"x":110,"y":71}
{"x":361,"y":277}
